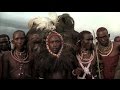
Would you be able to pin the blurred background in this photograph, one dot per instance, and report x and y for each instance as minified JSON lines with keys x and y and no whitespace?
{"x":12,"y":21}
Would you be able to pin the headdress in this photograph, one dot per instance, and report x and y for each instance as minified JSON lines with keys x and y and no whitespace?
{"x":54,"y":33}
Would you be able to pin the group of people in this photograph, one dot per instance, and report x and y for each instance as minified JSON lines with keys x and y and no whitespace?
{"x":51,"y":54}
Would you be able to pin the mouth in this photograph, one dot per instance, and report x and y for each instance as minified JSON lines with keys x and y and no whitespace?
{"x":55,"y":50}
{"x":20,"y":44}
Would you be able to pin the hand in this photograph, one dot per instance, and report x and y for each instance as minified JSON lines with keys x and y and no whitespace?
{"x":78,"y":71}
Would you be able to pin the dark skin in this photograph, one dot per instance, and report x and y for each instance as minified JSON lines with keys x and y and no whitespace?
{"x":86,"y":45}
{"x":19,"y":41}
{"x":0,"y":67}
{"x":17,"y":68}
{"x":87,"y":42}
{"x":4,"y":44}
{"x":103,"y":39}
{"x":49,"y":66}
{"x":117,"y":39}
{"x":55,"y":44}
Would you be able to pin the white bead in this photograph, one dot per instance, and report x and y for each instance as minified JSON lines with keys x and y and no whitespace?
{"x":86,"y":70}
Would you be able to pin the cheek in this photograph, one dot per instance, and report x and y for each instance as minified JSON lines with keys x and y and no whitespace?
{"x":59,"y":44}
{"x":84,"y":43}
{"x":50,"y":45}
{"x":23,"y":41}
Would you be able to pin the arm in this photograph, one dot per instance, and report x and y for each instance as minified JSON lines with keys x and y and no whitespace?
{"x":117,"y":72}
{"x":5,"y":67}
{"x":0,"y":66}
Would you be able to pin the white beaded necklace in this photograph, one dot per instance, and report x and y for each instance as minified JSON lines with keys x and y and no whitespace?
{"x":100,"y":52}
{"x":85,"y":68}
{"x":47,"y":45}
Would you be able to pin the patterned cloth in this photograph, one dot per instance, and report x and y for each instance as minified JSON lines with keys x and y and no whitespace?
{"x":109,"y":66}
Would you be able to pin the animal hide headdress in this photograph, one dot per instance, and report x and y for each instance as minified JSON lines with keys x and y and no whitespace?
{"x":65,"y":21}
{"x":42,"y":23}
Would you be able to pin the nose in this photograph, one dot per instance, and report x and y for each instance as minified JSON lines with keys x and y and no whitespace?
{"x":19,"y":40}
{"x":54,"y":44}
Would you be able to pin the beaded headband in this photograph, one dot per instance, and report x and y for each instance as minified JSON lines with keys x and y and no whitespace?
{"x":54,"y":33}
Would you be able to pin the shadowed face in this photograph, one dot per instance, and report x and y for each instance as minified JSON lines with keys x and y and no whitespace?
{"x":87,"y":41}
{"x":19,"y":40}
{"x":103,"y":37}
{"x":55,"y":43}
{"x":117,"y":39}
{"x":4,"y":43}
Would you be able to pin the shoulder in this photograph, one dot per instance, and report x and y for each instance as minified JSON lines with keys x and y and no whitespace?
{"x":6,"y":53}
{"x":116,"y":44}
{"x":5,"y":56}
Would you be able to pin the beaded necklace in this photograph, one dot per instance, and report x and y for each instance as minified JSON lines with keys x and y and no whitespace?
{"x":47,"y":44}
{"x":108,"y":52}
{"x":88,"y":62}
{"x":15,"y":57}
{"x":19,"y":53}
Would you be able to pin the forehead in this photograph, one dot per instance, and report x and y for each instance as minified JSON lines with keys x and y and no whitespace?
{"x":87,"y":36}
{"x":4,"y":39}
{"x":102,"y":33}
{"x":54,"y":37}
{"x":19,"y":34}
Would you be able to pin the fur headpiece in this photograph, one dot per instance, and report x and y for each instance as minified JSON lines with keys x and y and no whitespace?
{"x":42,"y":23}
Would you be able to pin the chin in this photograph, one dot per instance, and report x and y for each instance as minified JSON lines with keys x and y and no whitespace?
{"x":55,"y":52}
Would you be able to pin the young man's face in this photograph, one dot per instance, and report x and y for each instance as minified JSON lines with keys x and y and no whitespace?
{"x":103,"y":38}
{"x":117,"y":39}
{"x":55,"y":44}
{"x":19,"y":40}
{"x":87,"y":41}
{"x":4,"y":43}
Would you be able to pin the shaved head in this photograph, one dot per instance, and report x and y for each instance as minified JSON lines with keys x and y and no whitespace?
{"x":101,"y":29}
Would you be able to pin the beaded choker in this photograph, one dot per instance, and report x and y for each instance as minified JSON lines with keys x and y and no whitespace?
{"x":107,"y":50}
{"x":15,"y":57}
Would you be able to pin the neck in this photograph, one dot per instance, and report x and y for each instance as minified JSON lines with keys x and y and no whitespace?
{"x":109,"y":43}
{"x":84,"y":51}
{"x":20,"y":50}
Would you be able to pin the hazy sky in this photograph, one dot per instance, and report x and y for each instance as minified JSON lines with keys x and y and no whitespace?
{"x":10,"y":21}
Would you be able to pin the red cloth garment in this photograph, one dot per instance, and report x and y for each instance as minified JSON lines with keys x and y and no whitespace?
{"x":109,"y":66}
